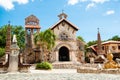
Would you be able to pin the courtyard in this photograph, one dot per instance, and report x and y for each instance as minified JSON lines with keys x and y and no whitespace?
{"x":57,"y":74}
{"x":59,"y":40}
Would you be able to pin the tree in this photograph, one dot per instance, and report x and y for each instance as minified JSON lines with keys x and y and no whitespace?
{"x":115,"y":38}
{"x":91,"y":43}
{"x":17,"y":30}
{"x":3,"y":31}
{"x":45,"y":41}
{"x":80,"y":38}
{"x":20,"y":34}
{"x":2,"y":52}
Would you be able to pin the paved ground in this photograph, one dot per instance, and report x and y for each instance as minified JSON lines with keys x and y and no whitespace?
{"x":57,"y":74}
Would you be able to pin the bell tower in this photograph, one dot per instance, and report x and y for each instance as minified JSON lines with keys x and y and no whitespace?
{"x":99,"y":45}
{"x":31,"y":26}
{"x":62,"y":15}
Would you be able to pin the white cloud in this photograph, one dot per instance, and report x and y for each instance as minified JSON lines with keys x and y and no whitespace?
{"x":90,"y":6}
{"x":91,"y":3}
{"x":9,"y":4}
{"x":100,"y":1}
{"x":110,"y":12}
{"x":72,"y":2}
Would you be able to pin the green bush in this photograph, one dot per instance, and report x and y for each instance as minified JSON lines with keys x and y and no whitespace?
{"x":2,"y":52}
{"x":44,"y":65}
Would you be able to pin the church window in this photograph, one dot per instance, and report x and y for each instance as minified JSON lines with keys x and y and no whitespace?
{"x":102,"y":47}
{"x":119,"y":47}
{"x":113,"y":47}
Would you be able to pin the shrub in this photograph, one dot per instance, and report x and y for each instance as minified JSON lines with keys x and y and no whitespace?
{"x":2,"y":52}
{"x":44,"y":65}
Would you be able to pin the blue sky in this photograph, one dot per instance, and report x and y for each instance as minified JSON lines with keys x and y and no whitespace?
{"x":88,"y":15}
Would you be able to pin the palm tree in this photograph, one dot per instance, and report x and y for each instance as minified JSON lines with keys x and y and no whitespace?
{"x":45,"y":41}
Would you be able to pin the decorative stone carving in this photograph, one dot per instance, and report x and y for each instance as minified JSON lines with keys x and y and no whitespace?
{"x":110,"y":63}
{"x":13,"y":61}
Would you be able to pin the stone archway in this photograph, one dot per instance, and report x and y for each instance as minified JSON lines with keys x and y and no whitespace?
{"x":64,"y":54}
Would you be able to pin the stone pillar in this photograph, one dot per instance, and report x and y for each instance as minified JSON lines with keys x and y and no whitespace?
{"x":91,"y":60}
{"x":99,"y":45}
{"x":32,"y":39}
{"x":6,"y":58}
{"x":38,"y":30}
{"x":73,"y":55}
{"x":8,"y":39}
{"x":57,"y":56}
{"x":70,"y":55}
{"x":13,"y":59}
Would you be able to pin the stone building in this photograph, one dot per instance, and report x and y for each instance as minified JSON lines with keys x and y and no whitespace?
{"x":114,"y":46}
{"x":67,"y":48}
{"x":31,"y":27}
{"x":100,"y":50}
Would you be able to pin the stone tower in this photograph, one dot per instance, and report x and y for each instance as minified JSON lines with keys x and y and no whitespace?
{"x":8,"y":40}
{"x":99,"y":46}
{"x":31,"y":27}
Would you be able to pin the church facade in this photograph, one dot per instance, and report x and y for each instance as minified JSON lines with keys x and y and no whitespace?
{"x":67,"y":47}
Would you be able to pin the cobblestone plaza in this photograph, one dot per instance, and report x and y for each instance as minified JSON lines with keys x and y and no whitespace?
{"x":58,"y":74}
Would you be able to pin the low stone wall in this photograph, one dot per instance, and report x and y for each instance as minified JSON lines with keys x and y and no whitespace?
{"x":64,"y":65}
{"x":95,"y":70}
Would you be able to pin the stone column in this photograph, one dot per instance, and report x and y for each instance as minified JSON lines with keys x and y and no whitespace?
{"x":70,"y":55}
{"x":57,"y":56}
{"x":8,"y":40}
{"x":73,"y":55}
{"x":13,"y":60}
{"x":32,"y":39}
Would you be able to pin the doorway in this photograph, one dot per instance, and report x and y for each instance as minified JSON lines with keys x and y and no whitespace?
{"x":64,"y":54}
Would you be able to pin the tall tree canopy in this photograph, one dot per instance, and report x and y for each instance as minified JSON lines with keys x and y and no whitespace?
{"x":80,"y":38}
{"x":91,"y":43}
{"x":17,"y":30}
{"x":45,"y":40}
{"x":115,"y":38}
{"x":3,"y":31}
{"x":46,"y":37}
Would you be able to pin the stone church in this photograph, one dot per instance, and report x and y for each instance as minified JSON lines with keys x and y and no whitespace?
{"x":67,"y":47}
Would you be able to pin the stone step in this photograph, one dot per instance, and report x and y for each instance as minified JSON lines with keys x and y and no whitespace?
{"x":64,"y":66}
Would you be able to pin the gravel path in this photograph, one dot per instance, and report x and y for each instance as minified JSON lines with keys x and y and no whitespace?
{"x":58,"y":74}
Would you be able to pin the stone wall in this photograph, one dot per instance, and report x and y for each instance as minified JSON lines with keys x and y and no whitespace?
{"x":93,"y":68}
{"x":65,"y":28}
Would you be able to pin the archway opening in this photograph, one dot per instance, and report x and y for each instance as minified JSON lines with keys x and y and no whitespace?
{"x":64,"y":54}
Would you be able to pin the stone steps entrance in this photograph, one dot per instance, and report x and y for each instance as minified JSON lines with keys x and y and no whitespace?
{"x":64,"y":65}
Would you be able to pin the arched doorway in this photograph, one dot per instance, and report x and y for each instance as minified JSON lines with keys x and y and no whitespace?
{"x":64,"y":54}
